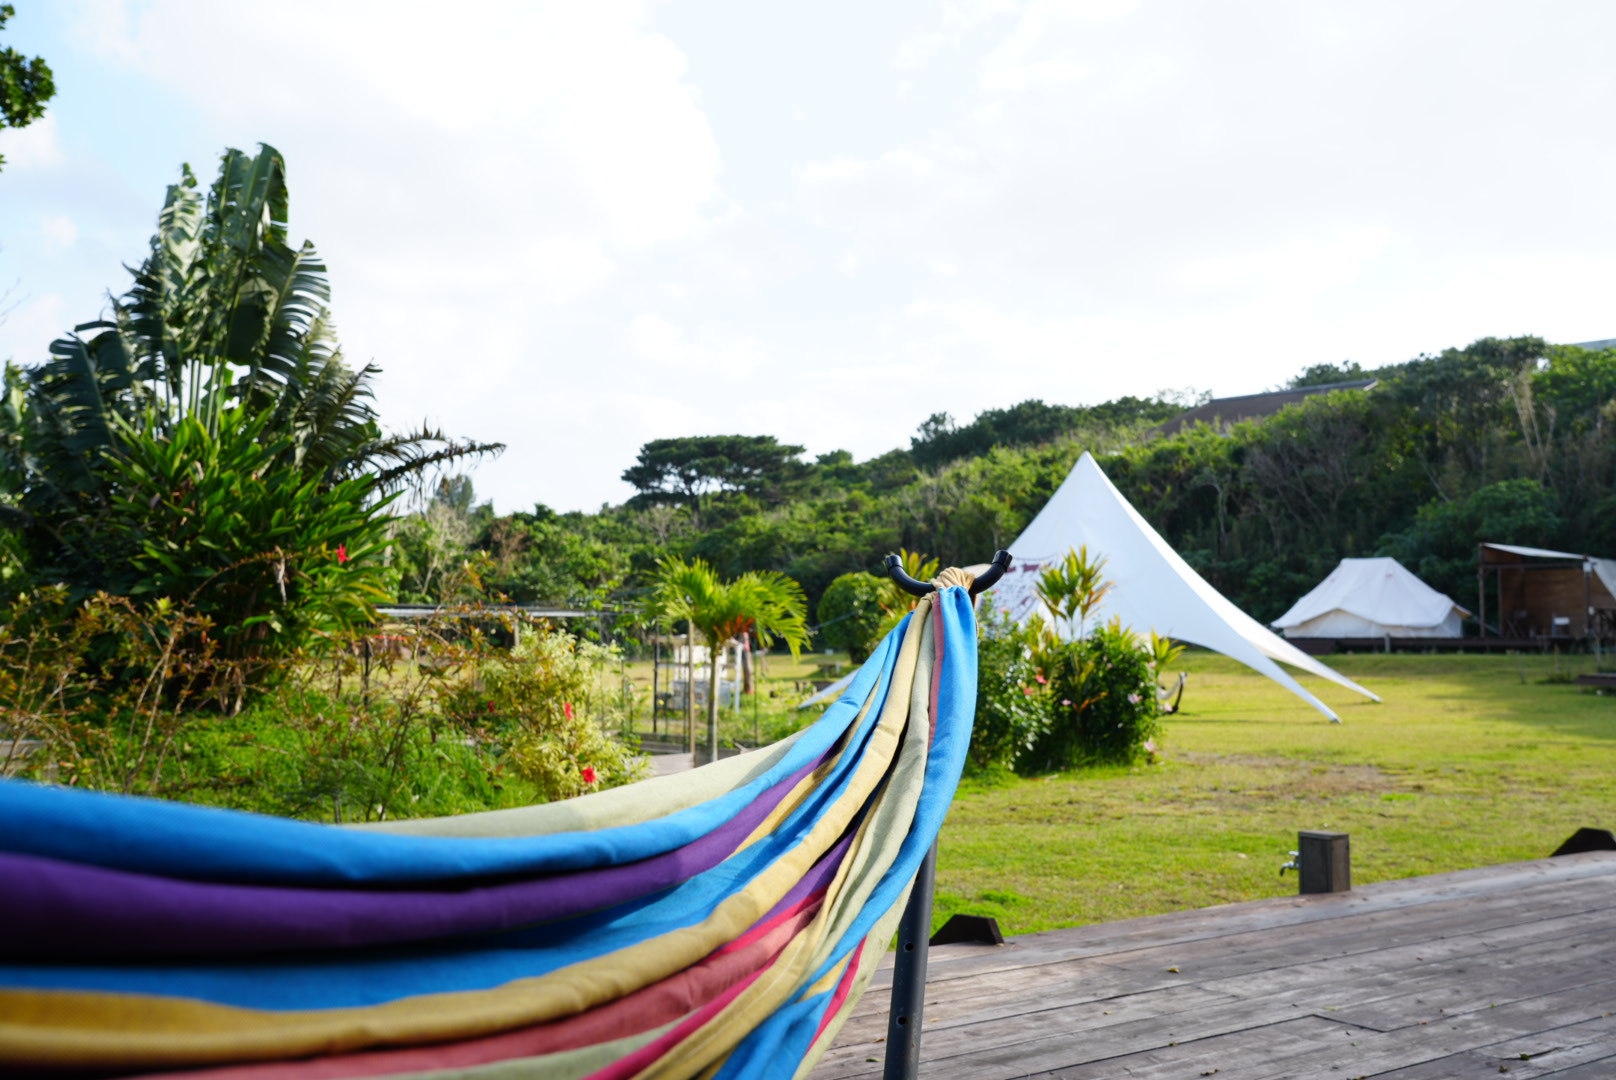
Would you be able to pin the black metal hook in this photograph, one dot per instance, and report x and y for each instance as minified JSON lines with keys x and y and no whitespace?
{"x":990,"y":578}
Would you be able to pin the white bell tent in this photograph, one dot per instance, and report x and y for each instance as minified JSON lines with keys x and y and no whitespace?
{"x":1152,"y":587}
{"x":1373,"y":598}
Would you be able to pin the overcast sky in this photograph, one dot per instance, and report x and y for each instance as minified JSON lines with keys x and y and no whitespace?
{"x":575,"y":227}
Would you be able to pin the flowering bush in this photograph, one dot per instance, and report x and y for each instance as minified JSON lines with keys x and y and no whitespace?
{"x":1012,"y":711}
{"x":527,"y":702}
{"x":1102,"y":691}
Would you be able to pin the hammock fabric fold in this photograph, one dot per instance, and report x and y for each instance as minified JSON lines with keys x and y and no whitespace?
{"x":720,"y":922}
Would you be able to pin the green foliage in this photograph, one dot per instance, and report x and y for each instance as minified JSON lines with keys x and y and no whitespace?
{"x":430,"y":546}
{"x":1012,"y":711}
{"x":1440,"y":545}
{"x":396,"y":725}
{"x":543,"y":703}
{"x":765,"y":604}
{"x":271,"y":557}
{"x":939,"y":440}
{"x":1102,"y":701}
{"x":223,"y":316}
{"x":850,"y":614}
{"x":25,"y":85}
{"x":1074,"y":587}
{"x":103,"y":690}
{"x":687,"y":469}
{"x":1327,"y":374}
{"x":554,"y":558}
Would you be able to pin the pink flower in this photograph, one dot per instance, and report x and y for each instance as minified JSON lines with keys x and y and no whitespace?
{"x":1041,"y":680}
{"x":566,"y":708}
{"x":1150,"y":746}
{"x":1067,"y":702}
{"x":1027,"y":690}
{"x":1133,"y":699}
{"x":589,"y":774}
{"x":342,"y":554}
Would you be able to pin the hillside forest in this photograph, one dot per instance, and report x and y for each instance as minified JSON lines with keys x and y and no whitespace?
{"x":1510,"y":440}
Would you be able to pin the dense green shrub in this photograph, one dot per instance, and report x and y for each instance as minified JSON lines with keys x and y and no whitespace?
{"x":850,"y":615}
{"x":210,"y":516}
{"x":542,"y":704}
{"x":1440,"y":545}
{"x":435,"y":720}
{"x":1102,"y":701}
{"x":1012,"y":712}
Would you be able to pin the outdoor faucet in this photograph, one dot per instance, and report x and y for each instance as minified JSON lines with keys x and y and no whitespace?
{"x":1294,"y":864}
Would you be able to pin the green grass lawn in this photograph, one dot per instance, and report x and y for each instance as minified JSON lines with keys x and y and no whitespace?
{"x":1468,"y":761}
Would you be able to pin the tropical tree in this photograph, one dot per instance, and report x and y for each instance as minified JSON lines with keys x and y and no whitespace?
{"x":686,"y":470}
{"x":764,"y":603}
{"x":224,"y":320}
{"x":25,"y":84}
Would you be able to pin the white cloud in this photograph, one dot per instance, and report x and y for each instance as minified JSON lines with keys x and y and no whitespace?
{"x":59,"y":230}
{"x":576,"y":227}
{"x":702,"y":360}
{"x":37,"y":146}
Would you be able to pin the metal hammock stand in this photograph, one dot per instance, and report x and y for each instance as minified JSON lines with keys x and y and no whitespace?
{"x":914,"y":931}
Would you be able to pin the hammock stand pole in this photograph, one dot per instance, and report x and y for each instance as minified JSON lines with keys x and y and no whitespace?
{"x":907,"y":1011}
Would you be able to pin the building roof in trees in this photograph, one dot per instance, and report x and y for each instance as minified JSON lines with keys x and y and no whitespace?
{"x":1222,"y":412}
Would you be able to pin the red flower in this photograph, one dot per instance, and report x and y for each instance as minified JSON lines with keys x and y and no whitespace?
{"x":342,"y":553}
{"x":590,"y":775}
{"x":566,"y":707}
{"x":490,"y":706}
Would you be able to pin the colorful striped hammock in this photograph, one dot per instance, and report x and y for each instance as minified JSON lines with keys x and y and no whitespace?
{"x":721,"y":922}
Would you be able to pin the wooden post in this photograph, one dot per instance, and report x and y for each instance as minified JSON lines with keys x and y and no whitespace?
{"x":1587,"y":598}
{"x":1325,"y":860}
{"x":690,"y":688}
{"x":1481,"y":593}
{"x":656,"y":662}
{"x":748,"y":676}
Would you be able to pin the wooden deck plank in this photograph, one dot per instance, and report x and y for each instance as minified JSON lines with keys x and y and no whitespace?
{"x":1466,"y":968}
{"x":1264,"y":916}
{"x":1380,"y":1052}
{"x":1551,"y":1053}
{"x":1251,"y":974}
{"x":1222,"y":1055}
{"x":1040,"y":978}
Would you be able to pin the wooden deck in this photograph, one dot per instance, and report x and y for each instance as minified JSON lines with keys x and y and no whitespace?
{"x":1503,"y":970}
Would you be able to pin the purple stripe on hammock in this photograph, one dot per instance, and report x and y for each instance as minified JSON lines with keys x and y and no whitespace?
{"x":60,"y":910}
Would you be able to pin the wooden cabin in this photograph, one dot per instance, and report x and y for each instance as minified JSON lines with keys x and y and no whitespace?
{"x":1534,"y":593}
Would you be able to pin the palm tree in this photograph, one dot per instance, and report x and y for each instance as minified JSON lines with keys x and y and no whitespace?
{"x":765,"y":603}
